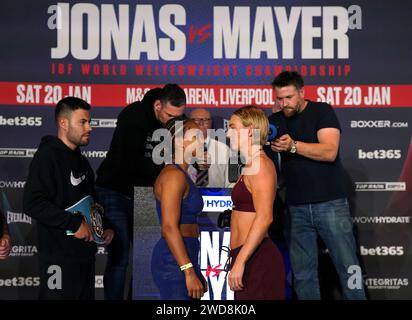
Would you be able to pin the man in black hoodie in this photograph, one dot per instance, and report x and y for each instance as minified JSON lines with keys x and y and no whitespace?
{"x":129,"y":163}
{"x":59,"y":177}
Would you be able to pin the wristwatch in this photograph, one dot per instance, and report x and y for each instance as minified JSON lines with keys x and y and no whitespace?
{"x":293,"y":148}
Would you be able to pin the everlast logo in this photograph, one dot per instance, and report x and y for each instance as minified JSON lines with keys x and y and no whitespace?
{"x":14,"y":217}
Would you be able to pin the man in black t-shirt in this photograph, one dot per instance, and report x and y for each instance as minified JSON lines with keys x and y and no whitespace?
{"x":308,"y":139}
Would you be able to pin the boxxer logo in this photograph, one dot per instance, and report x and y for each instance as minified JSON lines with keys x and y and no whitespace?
{"x":377,"y":124}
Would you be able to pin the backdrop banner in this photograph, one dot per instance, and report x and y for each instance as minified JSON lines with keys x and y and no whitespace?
{"x":354,"y":55}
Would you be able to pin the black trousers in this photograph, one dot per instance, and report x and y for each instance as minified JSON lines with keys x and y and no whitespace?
{"x":67,"y":280}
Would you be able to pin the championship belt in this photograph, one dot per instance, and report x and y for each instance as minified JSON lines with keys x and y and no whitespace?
{"x":92,"y":213}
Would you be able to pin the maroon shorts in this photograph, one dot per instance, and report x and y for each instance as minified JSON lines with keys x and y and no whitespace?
{"x":264,"y":275}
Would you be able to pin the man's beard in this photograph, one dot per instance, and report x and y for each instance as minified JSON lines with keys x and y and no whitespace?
{"x":79,"y":141}
{"x":292,"y":113}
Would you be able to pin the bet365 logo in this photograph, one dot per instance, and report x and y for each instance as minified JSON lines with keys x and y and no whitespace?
{"x":379,"y":154}
{"x":21,"y":121}
{"x":382,"y":251}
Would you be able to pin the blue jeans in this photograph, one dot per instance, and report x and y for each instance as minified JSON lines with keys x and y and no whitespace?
{"x":330,"y":220}
{"x":118,"y":209}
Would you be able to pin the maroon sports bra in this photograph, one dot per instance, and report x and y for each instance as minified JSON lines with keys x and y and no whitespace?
{"x":241,"y":197}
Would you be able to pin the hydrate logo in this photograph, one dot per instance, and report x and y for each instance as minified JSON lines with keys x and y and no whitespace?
{"x":17,"y":152}
{"x":380,"y":186}
{"x":21,"y":121}
{"x":386,"y":219}
{"x":12,"y":184}
{"x":103,"y":123}
{"x":94,"y":154}
{"x":382,"y":251}
{"x":386,"y":283}
{"x":379,"y":154}
{"x":16,"y":217}
{"x":216,"y":203}
{"x":23,"y":251}
{"x":366,"y":124}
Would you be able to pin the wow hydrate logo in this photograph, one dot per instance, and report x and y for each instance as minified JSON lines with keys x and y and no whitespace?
{"x":87,"y":31}
{"x":216,"y":203}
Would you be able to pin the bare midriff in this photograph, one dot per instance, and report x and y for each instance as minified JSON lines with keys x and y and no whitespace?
{"x":188,"y":230}
{"x":241,"y":223}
